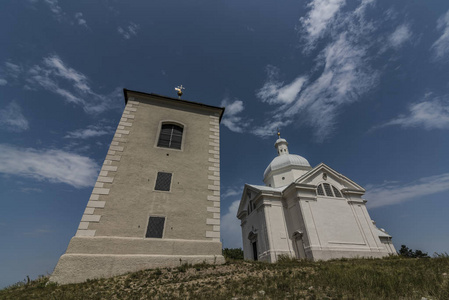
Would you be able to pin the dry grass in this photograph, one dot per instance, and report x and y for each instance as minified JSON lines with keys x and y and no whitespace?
{"x":391,"y":278}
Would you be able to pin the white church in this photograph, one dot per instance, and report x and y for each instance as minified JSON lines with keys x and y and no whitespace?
{"x":307,"y":213}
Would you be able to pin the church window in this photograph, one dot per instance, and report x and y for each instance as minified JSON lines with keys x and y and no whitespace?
{"x":163,"y":181}
{"x":320,"y":190}
{"x":155,"y":227}
{"x":336,"y":192}
{"x":170,"y":136}
{"x":328,"y":190}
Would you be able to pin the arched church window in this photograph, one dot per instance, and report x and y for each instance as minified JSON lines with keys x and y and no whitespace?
{"x":326,"y":189}
{"x":170,"y":136}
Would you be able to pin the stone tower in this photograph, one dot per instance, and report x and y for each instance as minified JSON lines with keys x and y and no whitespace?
{"x":156,"y":201}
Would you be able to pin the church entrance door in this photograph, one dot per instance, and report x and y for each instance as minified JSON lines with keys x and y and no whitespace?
{"x":255,"y":256}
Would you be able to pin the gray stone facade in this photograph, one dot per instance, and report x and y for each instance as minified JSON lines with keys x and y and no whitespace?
{"x":110,"y":239}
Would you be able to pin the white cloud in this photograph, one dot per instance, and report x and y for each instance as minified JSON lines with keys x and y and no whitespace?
{"x":232,"y":191}
{"x":400,"y":36}
{"x":128,"y":31}
{"x":429,"y":114}
{"x":270,"y":128}
{"x":55,"y":76}
{"x":321,"y":13}
{"x":341,"y":75}
{"x":90,"y":131}
{"x":275,"y":92}
{"x":55,"y":166}
{"x":441,"y":46}
{"x":3,"y":82}
{"x":394,"y":193}
{"x":11,"y":118}
{"x":346,"y":76}
{"x":231,"y":119}
{"x":53,"y":5}
{"x":13,"y":70}
{"x":231,"y":233}
{"x":80,"y":19}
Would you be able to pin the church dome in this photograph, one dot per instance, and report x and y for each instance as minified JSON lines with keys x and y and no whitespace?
{"x":285,"y":160}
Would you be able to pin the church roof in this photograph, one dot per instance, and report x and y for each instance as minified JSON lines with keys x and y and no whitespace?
{"x":264,"y":188}
{"x":282,"y":161}
{"x":173,"y":100}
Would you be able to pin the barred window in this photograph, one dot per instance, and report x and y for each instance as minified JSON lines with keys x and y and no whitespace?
{"x":155,"y":227}
{"x":320,"y":190}
{"x":336,"y":192}
{"x":328,"y":188}
{"x":163,"y":181}
{"x":170,"y":136}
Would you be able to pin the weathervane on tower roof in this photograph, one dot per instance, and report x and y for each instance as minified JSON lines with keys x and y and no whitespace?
{"x":179,"y":90}
{"x":279,"y":133}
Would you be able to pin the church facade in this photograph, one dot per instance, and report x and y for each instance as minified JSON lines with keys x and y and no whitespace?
{"x":307,"y":213}
{"x":156,"y":202}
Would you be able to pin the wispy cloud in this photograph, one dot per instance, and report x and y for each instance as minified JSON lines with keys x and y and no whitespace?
{"x":231,"y":233}
{"x":231,"y":118}
{"x":55,"y":8}
{"x":56,"y":76}
{"x":400,"y":36}
{"x":321,"y":13}
{"x":276,"y":92}
{"x":12,"y":70}
{"x":89,"y":132}
{"x":80,"y":19}
{"x":341,"y":75}
{"x":429,"y":114}
{"x":394,"y":193}
{"x":3,"y":82}
{"x":12,"y":119}
{"x":128,"y":31}
{"x":231,"y":191}
{"x":441,"y":46}
{"x":346,"y":76}
{"x":55,"y":166}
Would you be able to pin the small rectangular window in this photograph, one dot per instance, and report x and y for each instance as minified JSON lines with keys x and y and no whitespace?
{"x":163,"y":181}
{"x":155,"y":227}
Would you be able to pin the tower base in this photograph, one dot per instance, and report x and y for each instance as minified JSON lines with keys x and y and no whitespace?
{"x":102,"y":257}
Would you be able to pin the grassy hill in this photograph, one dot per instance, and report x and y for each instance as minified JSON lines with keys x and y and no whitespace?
{"x":390,"y":278}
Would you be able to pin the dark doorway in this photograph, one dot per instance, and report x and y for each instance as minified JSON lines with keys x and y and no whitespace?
{"x":255,"y":256}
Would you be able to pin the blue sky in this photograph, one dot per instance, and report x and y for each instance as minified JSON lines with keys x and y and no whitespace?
{"x":361,"y":85}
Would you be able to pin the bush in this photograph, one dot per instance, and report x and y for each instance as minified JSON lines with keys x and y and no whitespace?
{"x":233,"y":253}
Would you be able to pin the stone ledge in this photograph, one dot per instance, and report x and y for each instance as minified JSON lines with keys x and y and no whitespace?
{"x":213,"y":198}
{"x":109,"y":168}
{"x":213,"y":221}
{"x":83,"y":225}
{"x":100,"y":191}
{"x":90,"y":218}
{"x":99,"y":184}
{"x":213,"y":209}
{"x":89,"y":211}
{"x":213,"y":187}
{"x":96,"y":204}
{"x":113,"y":157}
{"x":85,"y":233}
{"x":121,"y":131}
{"x":212,"y":234}
{"x":105,"y":179}
{"x":116,"y":148}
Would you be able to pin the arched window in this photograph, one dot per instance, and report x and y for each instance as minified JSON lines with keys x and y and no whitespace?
{"x":331,"y":191}
{"x":170,"y":136}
